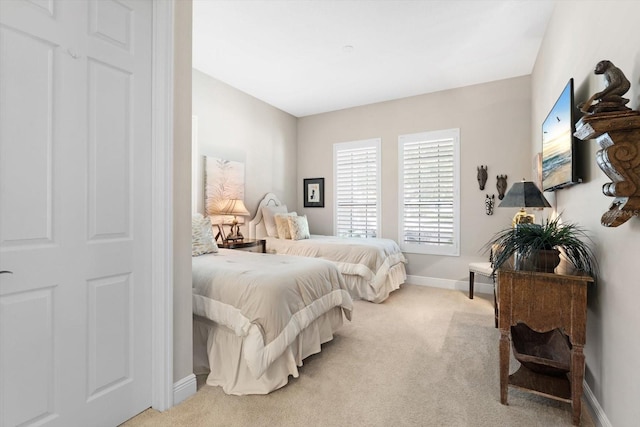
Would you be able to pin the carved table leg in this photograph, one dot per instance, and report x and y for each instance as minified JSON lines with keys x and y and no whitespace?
{"x":577,"y":376}
{"x":504,"y":365}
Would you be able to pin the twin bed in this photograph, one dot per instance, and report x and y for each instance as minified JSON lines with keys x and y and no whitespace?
{"x":257,"y":316}
{"x":372,"y":268}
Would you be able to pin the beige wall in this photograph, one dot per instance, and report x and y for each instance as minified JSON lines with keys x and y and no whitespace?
{"x":182,"y":324}
{"x":235,"y":126}
{"x":581,"y":34}
{"x":494,"y":122}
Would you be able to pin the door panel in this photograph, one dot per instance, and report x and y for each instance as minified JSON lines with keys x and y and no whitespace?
{"x":26,"y":323}
{"x":110,"y":335}
{"x":112,"y":22}
{"x":109,"y":151}
{"x":45,"y":5}
{"x":26,"y":114}
{"x":75,"y":167}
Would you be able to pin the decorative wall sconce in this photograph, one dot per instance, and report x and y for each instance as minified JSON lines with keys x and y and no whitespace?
{"x":501,"y":185}
{"x":489,"y":203}
{"x":482,"y":176}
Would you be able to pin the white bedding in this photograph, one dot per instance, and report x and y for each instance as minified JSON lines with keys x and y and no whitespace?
{"x":376,"y":266}
{"x":372,"y":268}
{"x":267,"y":302}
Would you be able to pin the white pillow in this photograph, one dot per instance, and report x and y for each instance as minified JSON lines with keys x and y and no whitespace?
{"x":268,"y":213}
{"x":202,"y":241}
{"x":283,"y":225}
{"x":299,"y":227}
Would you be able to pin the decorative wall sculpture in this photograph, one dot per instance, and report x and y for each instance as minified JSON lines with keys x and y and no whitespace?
{"x":616,"y":129}
{"x":489,"y":203}
{"x":610,"y":98}
{"x":482,"y":176}
{"x":618,"y":135}
{"x":501,"y":185}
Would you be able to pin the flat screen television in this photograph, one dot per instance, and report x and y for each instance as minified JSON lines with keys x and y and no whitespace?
{"x":560,"y":163}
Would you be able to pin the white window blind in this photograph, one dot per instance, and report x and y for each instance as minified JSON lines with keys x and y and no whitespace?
{"x":429,"y":192}
{"x":357,"y":188}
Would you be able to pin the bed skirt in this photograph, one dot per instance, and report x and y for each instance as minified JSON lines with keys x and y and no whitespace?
{"x":218,"y":352}
{"x":363,"y":288}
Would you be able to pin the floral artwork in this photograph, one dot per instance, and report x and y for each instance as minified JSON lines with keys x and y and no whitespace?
{"x":224,"y":180}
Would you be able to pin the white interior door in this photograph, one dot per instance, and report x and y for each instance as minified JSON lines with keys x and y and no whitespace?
{"x":75,"y":167}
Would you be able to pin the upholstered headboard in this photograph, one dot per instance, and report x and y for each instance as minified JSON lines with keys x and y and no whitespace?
{"x":257,"y":229}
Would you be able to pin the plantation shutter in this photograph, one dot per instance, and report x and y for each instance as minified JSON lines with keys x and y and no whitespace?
{"x":357,"y":188}
{"x":429,"y":217}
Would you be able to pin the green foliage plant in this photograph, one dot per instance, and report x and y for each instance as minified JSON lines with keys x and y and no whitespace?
{"x":526,"y":240}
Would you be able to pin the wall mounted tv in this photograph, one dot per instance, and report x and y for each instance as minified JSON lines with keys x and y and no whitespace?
{"x":560,"y":149}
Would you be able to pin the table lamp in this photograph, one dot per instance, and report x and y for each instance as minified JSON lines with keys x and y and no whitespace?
{"x":236,"y":208}
{"x":524,"y":194}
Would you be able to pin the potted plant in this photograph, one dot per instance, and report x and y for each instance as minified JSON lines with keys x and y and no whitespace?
{"x":537,"y":247}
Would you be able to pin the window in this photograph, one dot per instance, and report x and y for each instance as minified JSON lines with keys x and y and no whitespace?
{"x":429,"y":192}
{"x":357,"y":188}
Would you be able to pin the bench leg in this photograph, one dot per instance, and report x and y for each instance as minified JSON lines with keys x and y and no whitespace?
{"x":471,"y":277}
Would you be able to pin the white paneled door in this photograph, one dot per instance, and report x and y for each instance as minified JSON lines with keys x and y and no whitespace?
{"x":75,"y":167}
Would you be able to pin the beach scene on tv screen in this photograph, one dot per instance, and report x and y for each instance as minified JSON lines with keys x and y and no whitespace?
{"x":556,"y":144}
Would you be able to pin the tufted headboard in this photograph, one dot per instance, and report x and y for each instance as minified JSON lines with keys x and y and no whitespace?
{"x":257,"y":229}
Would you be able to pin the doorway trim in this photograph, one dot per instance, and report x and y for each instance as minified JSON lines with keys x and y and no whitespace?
{"x":161,"y":202}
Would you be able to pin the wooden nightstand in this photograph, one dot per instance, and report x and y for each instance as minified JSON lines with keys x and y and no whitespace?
{"x":245,"y":244}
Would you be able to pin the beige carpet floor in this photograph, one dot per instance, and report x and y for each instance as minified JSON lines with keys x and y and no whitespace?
{"x":425,"y":357}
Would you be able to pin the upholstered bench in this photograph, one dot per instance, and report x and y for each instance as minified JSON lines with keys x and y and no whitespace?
{"x":481,"y":268}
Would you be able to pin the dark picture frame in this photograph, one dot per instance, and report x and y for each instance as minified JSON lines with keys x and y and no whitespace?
{"x":313,"y":192}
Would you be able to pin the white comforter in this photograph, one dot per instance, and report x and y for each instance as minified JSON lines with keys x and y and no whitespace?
{"x":371,"y":259}
{"x":267,"y":299}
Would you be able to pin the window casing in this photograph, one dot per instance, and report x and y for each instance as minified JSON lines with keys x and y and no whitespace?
{"x":429,"y":192}
{"x":357,"y":188}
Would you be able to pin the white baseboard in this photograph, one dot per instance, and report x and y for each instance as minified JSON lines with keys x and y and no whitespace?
{"x":458,"y":285}
{"x":184,"y":388}
{"x":599,"y":417}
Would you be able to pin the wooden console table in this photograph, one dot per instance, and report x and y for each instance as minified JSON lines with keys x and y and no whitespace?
{"x":544,"y":302}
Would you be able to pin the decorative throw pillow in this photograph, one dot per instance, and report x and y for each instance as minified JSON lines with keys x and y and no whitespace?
{"x":299,"y":227}
{"x":268,"y":213}
{"x":202,"y":241}
{"x":283,"y":225}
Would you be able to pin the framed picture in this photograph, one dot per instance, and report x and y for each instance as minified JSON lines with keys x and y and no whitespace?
{"x":314,"y":192}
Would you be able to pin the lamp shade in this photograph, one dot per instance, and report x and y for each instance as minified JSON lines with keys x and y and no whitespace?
{"x":524,"y":194}
{"x":231,"y":207}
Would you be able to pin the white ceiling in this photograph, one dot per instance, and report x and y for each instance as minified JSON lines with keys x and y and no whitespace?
{"x":294,"y":55}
